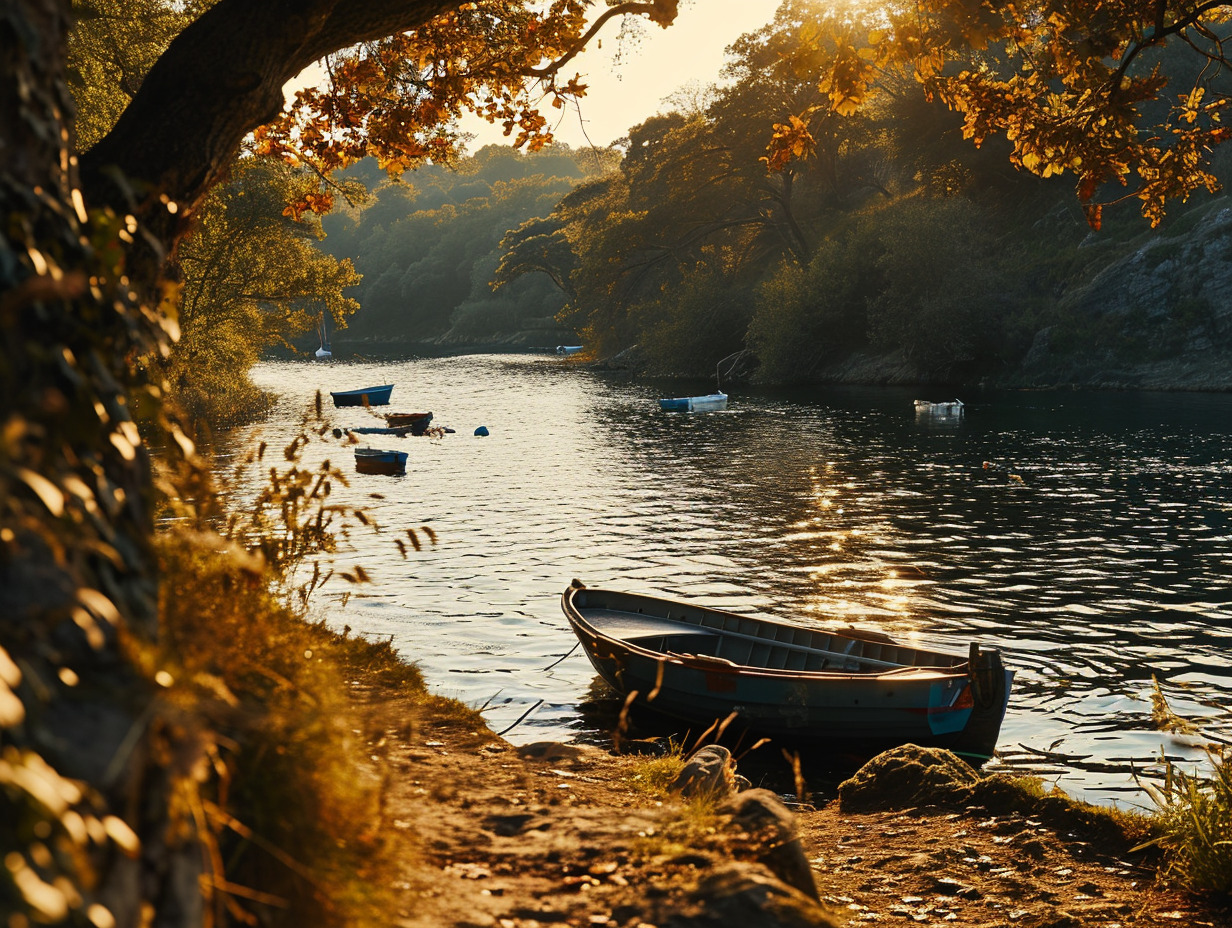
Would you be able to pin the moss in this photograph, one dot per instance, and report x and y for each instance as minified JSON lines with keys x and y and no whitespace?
{"x":652,"y":776}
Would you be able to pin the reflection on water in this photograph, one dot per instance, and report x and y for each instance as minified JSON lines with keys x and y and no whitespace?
{"x":1086,"y":535}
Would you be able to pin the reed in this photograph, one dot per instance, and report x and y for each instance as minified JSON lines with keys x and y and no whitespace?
{"x":283,"y":802}
{"x":1194,"y":820}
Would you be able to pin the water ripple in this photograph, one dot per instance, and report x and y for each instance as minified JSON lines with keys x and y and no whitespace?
{"x":1105,"y":564}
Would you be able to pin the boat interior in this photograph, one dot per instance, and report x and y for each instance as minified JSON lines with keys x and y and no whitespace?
{"x":736,"y":640}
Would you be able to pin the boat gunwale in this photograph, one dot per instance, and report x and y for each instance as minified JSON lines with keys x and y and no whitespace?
{"x":901,"y":672}
{"x":361,"y":390}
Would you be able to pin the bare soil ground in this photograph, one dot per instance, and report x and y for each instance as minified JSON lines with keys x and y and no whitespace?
{"x":550,"y":834}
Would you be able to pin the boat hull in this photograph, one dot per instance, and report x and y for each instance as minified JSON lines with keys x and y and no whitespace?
{"x":373,"y":461}
{"x":952,"y":409}
{"x":417,"y":422}
{"x":401,"y":431}
{"x":711,"y":403}
{"x":365,"y":396}
{"x":830,"y":689}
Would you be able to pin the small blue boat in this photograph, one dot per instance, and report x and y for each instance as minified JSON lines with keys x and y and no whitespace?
{"x":850,"y":690}
{"x":367,"y":396}
{"x":710,"y":403}
{"x":375,"y":461}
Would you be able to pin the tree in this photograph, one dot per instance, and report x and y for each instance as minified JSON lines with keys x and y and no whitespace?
{"x":1076,"y":87}
{"x":82,"y":303}
{"x":427,"y":248}
{"x":251,"y":277}
{"x":693,"y":210}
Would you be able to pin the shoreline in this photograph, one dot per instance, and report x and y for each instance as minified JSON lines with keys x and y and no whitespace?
{"x":1178,"y":375}
{"x":557,"y":834}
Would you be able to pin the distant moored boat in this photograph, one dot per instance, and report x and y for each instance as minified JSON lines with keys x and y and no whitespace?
{"x":951,"y":408}
{"x":366,"y":396}
{"x":375,"y":461}
{"x":709,"y":403}
{"x":323,"y":353}
{"x":417,"y":422}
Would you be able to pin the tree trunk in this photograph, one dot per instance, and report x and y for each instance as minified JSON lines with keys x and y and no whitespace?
{"x":77,"y":571}
{"x":220,"y":79}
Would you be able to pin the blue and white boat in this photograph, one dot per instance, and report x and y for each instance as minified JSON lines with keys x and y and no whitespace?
{"x":365,"y":396}
{"x":375,"y":461}
{"x":853,"y":690}
{"x":951,"y":409}
{"x":711,"y":403}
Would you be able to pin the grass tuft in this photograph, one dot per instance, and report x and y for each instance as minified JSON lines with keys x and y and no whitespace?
{"x":652,"y":776}
{"x":1195,"y":820}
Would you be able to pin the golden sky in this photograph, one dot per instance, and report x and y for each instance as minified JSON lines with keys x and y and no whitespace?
{"x":624,"y":92}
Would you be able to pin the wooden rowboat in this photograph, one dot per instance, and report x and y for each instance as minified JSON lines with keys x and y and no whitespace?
{"x":365,"y":396}
{"x":375,"y":461}
{"x":417,"y":421}
{"x":854,"y":690}
{"x":710,"y":403}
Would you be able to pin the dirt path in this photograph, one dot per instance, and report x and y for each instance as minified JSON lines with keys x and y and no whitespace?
{"x":554,"y":835}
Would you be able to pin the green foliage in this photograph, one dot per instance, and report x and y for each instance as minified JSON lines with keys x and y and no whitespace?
{"x":1194,"y":814}
{"x":294,"y":822}
{"x":693,"y":250}
{"x":111,"y":48}
{"x":939,"y":293}
{"x":704,"y":319}
{"x":429,"y":251}
{"x":652,"y":776}
{"x":808,"y":315}
{"x":252,"y":277}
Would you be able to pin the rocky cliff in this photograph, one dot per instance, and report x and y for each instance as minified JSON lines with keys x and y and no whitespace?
{"x":1151,"y":312}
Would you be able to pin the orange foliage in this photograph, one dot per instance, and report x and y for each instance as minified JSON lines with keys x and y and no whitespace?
{"x":1060,"y":79}
{"x":398,"y":99}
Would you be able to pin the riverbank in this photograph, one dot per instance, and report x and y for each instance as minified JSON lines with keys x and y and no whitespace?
{"x":498,"y":836}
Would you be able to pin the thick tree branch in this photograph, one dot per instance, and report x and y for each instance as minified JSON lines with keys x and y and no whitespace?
{"x":220,"y":79}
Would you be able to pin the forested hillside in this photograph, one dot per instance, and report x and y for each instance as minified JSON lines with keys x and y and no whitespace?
{"x":889,"y":249}
{"x":894,"y":250}
{"x":428,"y":247}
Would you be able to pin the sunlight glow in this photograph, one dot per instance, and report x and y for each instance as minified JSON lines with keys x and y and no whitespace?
{"x":629,"y":79}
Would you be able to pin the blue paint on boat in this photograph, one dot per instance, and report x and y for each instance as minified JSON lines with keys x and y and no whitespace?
{"x":364,"y":396}
{"x":377,"y":461}
{"x":850,"y":689}
{"x":712,"y":402}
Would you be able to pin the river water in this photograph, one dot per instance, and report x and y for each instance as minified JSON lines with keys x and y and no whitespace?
{"x":1102,"y":562}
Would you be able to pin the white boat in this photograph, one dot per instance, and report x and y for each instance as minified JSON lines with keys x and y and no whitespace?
{"x":323,"y":353}
{"x":709,"y":403}
{"x":568,"y":349}
{"x":951,"y":409}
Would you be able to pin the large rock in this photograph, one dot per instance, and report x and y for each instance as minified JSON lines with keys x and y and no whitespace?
{"x":771,"y":830}
{"x":1149,"y":314}
{"x":741,"y":894}
{"x":908,"y":775}
{"x":709,"y":772}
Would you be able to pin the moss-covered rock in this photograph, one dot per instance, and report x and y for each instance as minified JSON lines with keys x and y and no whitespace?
{"x":905,"y":776}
